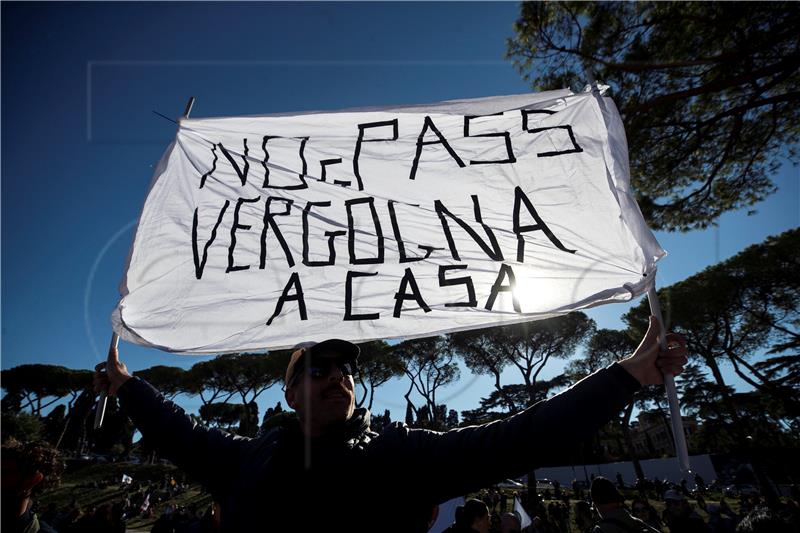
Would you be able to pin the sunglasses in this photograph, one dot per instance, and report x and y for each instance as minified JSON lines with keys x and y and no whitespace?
{"x":321,"y":367}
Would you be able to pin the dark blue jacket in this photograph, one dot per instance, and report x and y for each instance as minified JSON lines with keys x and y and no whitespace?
{"x":356,"y":480}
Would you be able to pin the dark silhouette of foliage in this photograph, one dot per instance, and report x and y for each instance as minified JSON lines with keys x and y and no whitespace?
{"x":376,"y":366}
{"x":528,"y":347}
{"x":429,"y":365}
{"x":38,"y":386}
{"x":741,"y":312}
{"x":708,"y":92}
{"x":169,"y":380}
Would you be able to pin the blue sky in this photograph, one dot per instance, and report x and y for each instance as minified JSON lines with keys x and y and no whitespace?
{"x":79,"y":139}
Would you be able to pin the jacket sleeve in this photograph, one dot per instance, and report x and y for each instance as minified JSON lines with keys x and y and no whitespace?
{"x":210,"y":456}
{"x":467,"y":459}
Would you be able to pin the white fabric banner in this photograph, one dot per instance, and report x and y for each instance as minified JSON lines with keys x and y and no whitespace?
{"x":264,"y":231}
{"x":524,"y":519}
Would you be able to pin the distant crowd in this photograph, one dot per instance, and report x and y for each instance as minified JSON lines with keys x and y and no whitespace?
{"x":582,"y":511}
{"x":144,"y":501}
{"x":602,"y":508}
{"x":549,"y":511}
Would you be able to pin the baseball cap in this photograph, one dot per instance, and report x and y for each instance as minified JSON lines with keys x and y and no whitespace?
{"x":673,"y":495}
{"x":603,"y":492}
{"x":329,"y":349}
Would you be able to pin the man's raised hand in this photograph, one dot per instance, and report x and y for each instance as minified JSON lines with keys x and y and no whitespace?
{"x":649,"y":362}
{"x":110,"y":376}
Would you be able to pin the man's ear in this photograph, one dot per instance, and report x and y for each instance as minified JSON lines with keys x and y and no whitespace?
{"x":290,"y":396}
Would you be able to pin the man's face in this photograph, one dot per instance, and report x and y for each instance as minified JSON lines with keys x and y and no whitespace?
{"x":16,"y":484}
{"x":323,"y":395}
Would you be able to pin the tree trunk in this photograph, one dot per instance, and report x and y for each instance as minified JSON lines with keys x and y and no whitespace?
{"x":63,"y":430}
{"x":726,"y":398}
{"x":766,"y":386}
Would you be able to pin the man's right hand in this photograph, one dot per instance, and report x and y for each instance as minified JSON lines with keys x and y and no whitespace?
{"x":110,"y":376}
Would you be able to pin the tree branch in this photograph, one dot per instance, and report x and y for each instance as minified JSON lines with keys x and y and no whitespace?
{"x":789,"y":62}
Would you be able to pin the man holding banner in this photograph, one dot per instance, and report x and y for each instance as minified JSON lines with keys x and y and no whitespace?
{"x":378,"y":224}
{"x":327,"y":469}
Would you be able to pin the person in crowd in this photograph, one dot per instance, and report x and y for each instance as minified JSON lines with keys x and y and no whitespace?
{"x":763,"y":520}
{"x":700,"y":483}
{"x":610,"y":505}
{"x":509,"y":523}
{"x":329,"y":454}
{"x":503,"y":508}
{"x":84,"y":521}
{"x":658,"y":487}
{"x":791,"y":512}
{"x":717,"y":521}
{"x":471,"y":517}
{"x":701,"y":502}
{"x":66,"y":522}
{"x":583,"y":516}
{"x":208,"y":522}
{"x":538,"y":525}
{"x":163,"y":524}
{"x":475,"y":517}
{"x":556,"y":489}
{"x":50,"y":514}
{"x":641,"y":509}
{"x":641,"y":487}
{"x":25,"y":471}
{"x":680,"y":516}
{"x":106,"y":519}
{"x":577,"y":491}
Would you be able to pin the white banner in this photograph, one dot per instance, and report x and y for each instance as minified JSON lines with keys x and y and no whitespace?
{"x":264,"y":231}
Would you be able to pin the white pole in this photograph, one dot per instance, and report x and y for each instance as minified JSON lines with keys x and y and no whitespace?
{"x":102,"y":400}
{"x":188,"y":108}
{"x":669,"y":380}
{"x":100,"y":410}
{"x":672,"y":394}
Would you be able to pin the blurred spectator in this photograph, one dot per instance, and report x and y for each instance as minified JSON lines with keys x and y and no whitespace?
{"x":763,"y":520}
{"x":700,"y":483}
{"x":538,"y":525}
{"x":509,"y":523}
{"x":583,"y":516}
{"x":717,"y":522}
{"x":609,"y":504}
{"x":679,"y":515}
{"x":577,"y":491}
{"x":471,"y":517}
{"x":208,"y":523}
{"x":26,"y":470}
{"x":641,"y":509}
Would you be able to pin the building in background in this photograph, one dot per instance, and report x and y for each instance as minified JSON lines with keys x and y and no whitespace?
{"x":652,"y":433}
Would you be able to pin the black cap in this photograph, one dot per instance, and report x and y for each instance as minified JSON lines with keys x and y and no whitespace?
{"x":330,"y":348}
